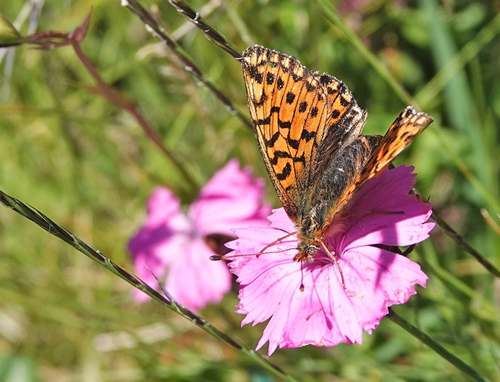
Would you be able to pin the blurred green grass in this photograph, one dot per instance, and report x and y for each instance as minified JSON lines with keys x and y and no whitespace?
{"x":88,"y":165}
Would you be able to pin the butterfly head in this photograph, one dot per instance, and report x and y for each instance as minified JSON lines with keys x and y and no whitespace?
{"x":307,"y":249}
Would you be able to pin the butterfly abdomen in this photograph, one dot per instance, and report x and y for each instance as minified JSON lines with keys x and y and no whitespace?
{"x":342,"y":171}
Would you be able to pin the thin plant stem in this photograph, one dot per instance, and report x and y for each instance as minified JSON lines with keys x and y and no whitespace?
{"x":209,"y":31}
{"x":70,"y":238}
{"x":121,"y":102}
{"x":425,"y":339}
{"x":49,"y":40}
{"x":492,"y":223}
{"x":334,"y":18}
{"x":188,"y":63}
{"x":464,"y":245}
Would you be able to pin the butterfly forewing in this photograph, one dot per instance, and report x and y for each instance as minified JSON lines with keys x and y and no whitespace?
{"x":289,"y":109}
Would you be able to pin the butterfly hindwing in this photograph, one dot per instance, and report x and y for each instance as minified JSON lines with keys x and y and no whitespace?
{"x":407,"y":126}
{"x":344,"y":123}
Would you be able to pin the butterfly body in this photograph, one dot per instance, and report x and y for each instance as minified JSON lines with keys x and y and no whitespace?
{"x":318,"y":206}
{"x":308,"y":129}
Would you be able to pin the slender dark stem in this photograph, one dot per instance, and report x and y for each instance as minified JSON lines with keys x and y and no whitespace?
{"x":49,"y":40}
{"x":189,"y":65}
{"x":209,"y":31}
{"x":464,"y":245}
{"x":123,"y":103}
{"x":68,"y":237}
{"x":424,"y":338}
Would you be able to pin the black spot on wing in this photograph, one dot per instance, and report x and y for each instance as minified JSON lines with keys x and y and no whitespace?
{"x":293,"y":143}
{"x":300,"y":159}
{"x":287,"y":170}
{"x":296,"y":77}
{"x":308,"y":135}
{"x":310,"y":87}
{"x":325,"y":79}
{"x":278,"y":155}
{"x":280,"y":84}
{"x":270,"y":78}
{"x":284,"y":124}
{"x":272,"y":141}
{"x":265,"y":121}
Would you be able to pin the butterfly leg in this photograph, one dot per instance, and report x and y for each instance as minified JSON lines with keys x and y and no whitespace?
{"x":335,"y":262}
{"x":261,"y":252}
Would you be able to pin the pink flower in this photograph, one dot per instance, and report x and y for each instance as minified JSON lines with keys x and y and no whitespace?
{"x":174,"y":245}
{"x":306,"y":304}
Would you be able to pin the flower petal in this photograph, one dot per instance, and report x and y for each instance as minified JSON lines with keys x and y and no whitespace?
{"x":231,"y":199}
{"x":383,"y":212}
{"x":323,"y":312}
{"x":163,"y":208}
{"x":194,"y":280}
{"x":166,"y":246}
{"x":316,"y":303}
{"x":153,"y":249}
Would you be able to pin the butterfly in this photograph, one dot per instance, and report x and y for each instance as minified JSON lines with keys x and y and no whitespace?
{"x":308,"y":129}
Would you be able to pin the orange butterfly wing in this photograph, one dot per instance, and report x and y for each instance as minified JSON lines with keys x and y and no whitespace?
{"x":289,"y":109}
{"x":304,"y":121}
{"x":300,"y":119}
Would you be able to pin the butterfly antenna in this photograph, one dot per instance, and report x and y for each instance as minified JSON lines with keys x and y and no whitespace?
{"x":275,"y":242}
{"x":229,"y":257}
{"x":335,"y":262}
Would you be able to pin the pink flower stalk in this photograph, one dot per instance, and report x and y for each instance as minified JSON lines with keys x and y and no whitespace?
{"x":173,"y":246}
{"x":306,"y":304}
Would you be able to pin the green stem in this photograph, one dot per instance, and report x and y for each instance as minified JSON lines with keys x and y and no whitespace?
{"x":68,"y":237}
{"x":490,"y":267}
{"x":334,"y":18}
{"x":188,"y":63}
{"x":424,"y":338}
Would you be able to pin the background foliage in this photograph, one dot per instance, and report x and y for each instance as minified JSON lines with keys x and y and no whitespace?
{"x":88,"y":165}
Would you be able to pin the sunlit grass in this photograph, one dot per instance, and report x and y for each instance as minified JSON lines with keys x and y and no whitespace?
{"x":88,"y":165}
